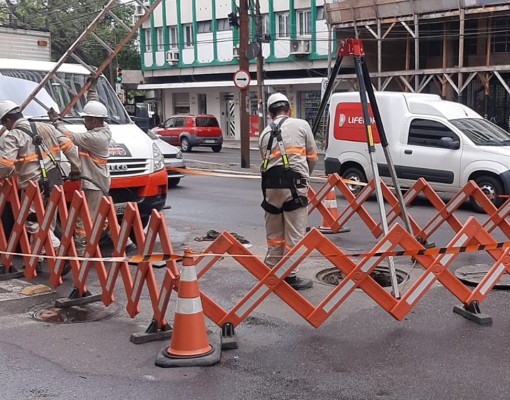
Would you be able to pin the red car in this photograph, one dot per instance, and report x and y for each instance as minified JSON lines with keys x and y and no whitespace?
{"x":189,"y":131}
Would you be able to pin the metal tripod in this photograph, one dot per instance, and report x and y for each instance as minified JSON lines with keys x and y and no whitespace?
{"x":354,"y":48}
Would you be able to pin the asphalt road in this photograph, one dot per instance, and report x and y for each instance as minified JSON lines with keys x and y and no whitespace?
{"x":360,"y":352}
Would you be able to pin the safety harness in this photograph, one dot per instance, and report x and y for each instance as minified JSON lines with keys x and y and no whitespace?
{"x":51,"y":177}
{"x":281,"y":176}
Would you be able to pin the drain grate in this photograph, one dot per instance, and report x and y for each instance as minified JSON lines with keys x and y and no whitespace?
{"x":332,"y":276}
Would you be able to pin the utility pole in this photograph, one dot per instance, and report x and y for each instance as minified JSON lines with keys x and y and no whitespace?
{"x":260,"y":69}
{"x":244,"y":65}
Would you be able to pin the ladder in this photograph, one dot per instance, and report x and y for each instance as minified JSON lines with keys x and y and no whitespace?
{"x":107,"y":10}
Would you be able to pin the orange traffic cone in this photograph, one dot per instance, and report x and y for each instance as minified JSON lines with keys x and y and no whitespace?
{"x":189,"y":345}
{"x":330,"y":203}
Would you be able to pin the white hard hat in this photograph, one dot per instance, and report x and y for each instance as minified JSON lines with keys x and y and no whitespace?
{"x":7,"y":107}
{"x":277,"y":100}
{"x":94,"y":109}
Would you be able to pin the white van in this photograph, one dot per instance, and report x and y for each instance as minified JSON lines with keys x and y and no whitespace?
{"x":136,"y":164}
{"x":445,"y":143}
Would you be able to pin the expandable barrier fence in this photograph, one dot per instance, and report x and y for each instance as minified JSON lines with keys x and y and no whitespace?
{"x":356,"y":268}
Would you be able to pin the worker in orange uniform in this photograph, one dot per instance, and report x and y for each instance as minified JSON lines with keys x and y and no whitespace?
{"x":93,"y":149}
{"x":28,"y":148}
{"x":289,"y":155}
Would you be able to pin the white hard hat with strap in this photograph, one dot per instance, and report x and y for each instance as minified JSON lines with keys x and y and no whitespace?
{"x":8,"y":107}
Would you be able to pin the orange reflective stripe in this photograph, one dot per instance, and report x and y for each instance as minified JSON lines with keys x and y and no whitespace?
{"x":66,"y":145}
{"x":28,"y":158}
{"x":275,"y":242}
{"x":68,"y":135}
{"x":311,"y":156}
{"x":98,"y":161}
{"x":297,"y":151}
{"x":6,"y":162}
{"x":54,"y":149}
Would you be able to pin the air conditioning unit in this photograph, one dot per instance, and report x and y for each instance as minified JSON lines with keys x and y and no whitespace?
{"x":172,"y":56}
{"x":300,"y":46}
{"x":139,"y":10}
{"x":235,"y":51}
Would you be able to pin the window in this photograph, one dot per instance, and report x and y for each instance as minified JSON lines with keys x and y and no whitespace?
{"x":206,"y":122}
{"x":148,"y":44}
{"x":501,"y":35}
{"x":180,"y":121}
{"x":222,"y":24}
{"x":282,"y":25}
{"x":188,"y":35}
{"x":172,"y":33}
{"x":303,"y":23}
{"x":202,"y":103}
{"x":204,"y":26}
{"x":423,"y":132}
{"x":265,"y":24}
{"x":161,"y":42}
{"x":320,"y":13}
{"x":170,"y":123}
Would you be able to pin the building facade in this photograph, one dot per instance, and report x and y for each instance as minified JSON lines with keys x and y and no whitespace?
{"x":189,"y":54}
{"x":456,"y":48}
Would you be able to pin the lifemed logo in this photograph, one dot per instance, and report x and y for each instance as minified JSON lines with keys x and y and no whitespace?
{"x":341,"y":120}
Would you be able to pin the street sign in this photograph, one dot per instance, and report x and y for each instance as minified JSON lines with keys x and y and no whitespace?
{"x":242,"y":79}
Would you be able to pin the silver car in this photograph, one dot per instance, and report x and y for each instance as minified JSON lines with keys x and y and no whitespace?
{"x":173,"y":158}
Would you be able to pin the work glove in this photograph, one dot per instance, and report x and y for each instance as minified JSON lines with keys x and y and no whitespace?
{"x":75,"y":176}
{"x":53,"y":115}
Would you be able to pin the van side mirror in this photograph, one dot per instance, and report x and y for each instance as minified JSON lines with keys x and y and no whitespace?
{"x":449,"y":143}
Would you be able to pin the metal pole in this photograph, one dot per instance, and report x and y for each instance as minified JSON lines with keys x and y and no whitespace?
{"x":327,"y":93}
{"x":244,"y":65}
{"x":375,"y":170}
{"x":261,"y":109}
{"x":385,"y":146}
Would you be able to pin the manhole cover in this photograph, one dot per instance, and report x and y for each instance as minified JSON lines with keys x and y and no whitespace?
{"x":332,"y":276}
{"x":473,"y":274}
{"x":74,"y":314}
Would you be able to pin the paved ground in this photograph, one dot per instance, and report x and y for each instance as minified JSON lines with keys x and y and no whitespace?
{"x":359,"y":353}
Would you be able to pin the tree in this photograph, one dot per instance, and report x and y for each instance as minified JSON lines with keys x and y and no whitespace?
{"x":66,"y":20}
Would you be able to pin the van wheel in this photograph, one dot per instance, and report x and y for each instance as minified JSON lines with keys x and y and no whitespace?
{"x":354,"y":174}
{"x":185,"y":145}
{"x":173,"y":182}
{"x":492,"y":188}
{"x":216,"y":148}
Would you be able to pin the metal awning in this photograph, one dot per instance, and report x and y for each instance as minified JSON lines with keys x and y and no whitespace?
{"x":227,"y":84}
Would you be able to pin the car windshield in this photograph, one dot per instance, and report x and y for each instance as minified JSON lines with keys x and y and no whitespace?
{"x":17,"y":85}
{"x":207,"y":122}
{"x":483,"y":132}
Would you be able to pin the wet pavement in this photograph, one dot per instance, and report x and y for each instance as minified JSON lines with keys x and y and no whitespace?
{"x":359,"y":353}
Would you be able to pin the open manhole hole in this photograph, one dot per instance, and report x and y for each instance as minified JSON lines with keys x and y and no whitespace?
{"x":75,"y":314}
{"x":332,"y":276}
